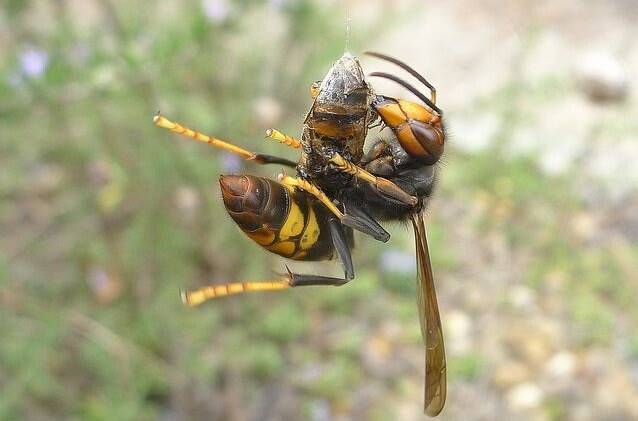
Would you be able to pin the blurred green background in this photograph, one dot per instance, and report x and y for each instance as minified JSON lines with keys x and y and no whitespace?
{"x":103,"y":217}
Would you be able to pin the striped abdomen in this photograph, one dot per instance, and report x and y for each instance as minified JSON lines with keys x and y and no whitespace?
{"x":277,"y":218}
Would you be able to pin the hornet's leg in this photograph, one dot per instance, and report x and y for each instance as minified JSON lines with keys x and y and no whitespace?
{"x":346,"y":219}
{"x":313,"y":190}
{"x":289,"y":280}
{"x":165,"y":123}
{"x":364,"y":218}
{"x":343,"y":251}
{"x":383,"y":185}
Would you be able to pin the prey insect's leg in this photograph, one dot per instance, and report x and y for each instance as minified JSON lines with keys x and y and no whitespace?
{"x":283,"y":138}
{"x":383,"y":185}
{"x":313,"y":190}
{"x":165,"y":123}
{"x":346,"y":219}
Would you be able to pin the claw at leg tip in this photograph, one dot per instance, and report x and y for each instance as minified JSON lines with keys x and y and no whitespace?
{"x":183,"y":295}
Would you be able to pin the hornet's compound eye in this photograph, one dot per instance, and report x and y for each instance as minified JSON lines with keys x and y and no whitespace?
{"x":314,"y":89}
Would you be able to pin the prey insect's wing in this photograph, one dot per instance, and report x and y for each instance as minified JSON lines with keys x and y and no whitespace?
{"x":435,"y":368}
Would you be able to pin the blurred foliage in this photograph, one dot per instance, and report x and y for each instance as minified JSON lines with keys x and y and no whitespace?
{"x":114,"y":215}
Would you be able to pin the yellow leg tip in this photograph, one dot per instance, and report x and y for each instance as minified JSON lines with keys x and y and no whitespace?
{"x":337,"y":159}
{"x":186,"y":299}
{"x":160,"y":121}
{"x":183,"y":296}
{"x":282,"y":138}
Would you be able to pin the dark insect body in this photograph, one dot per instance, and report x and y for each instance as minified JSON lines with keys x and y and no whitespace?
{"x":340,"y":187}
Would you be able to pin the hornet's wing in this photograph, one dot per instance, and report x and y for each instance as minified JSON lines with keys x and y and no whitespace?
{"x":435,"y":368}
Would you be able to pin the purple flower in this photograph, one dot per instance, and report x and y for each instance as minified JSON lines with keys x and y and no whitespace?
{"x":33,"y":62}
{"x":230,"y":163}
{"x":277,"y":4}
{"x":396,"y":261}
{"x":216,"y":10}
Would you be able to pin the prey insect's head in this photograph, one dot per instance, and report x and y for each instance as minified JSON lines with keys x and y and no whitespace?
{"x":344,"y":87}
{"x":341,"y":110}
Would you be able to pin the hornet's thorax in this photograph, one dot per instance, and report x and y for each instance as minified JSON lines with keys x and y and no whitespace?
{"x":337,"y":123}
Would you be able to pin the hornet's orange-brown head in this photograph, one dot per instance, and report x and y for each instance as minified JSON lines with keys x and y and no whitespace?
{"x":419,"y":129}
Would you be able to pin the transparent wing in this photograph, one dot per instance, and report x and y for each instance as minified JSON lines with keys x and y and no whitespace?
{"x":435,"y":368}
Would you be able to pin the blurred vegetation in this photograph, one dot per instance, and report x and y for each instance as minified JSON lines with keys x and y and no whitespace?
{"x":104,"y":217}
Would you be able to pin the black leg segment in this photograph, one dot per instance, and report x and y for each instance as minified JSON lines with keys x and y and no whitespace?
{"x":271,"y":159}
{"x":363,"y":222}
{"x":342,"y":247}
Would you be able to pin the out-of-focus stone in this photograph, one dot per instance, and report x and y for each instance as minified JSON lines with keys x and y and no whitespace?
{"x":615,"y":391}
{"x":104,"y":285}
{"x":602,"y":77}
{"x":187,"y":201}
{"x":530,"y":344}
{"x":522,"y":297}
{"x":613,"y":161}
{"x":509,"y":373}
{"x":46,"y":178}
{"x":562,"y":365}
{"x":457,"y":330}
{"x":556,"y":279}
{"x":398,"y":261}
{"x":380,"y":354}
{"x":524,"y":396}
{"x":267,"y":111}
{"x":474,"y":133}
{"x":320,"y":410}
{"x":584,"y":225}
{"x":99,"y":172}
